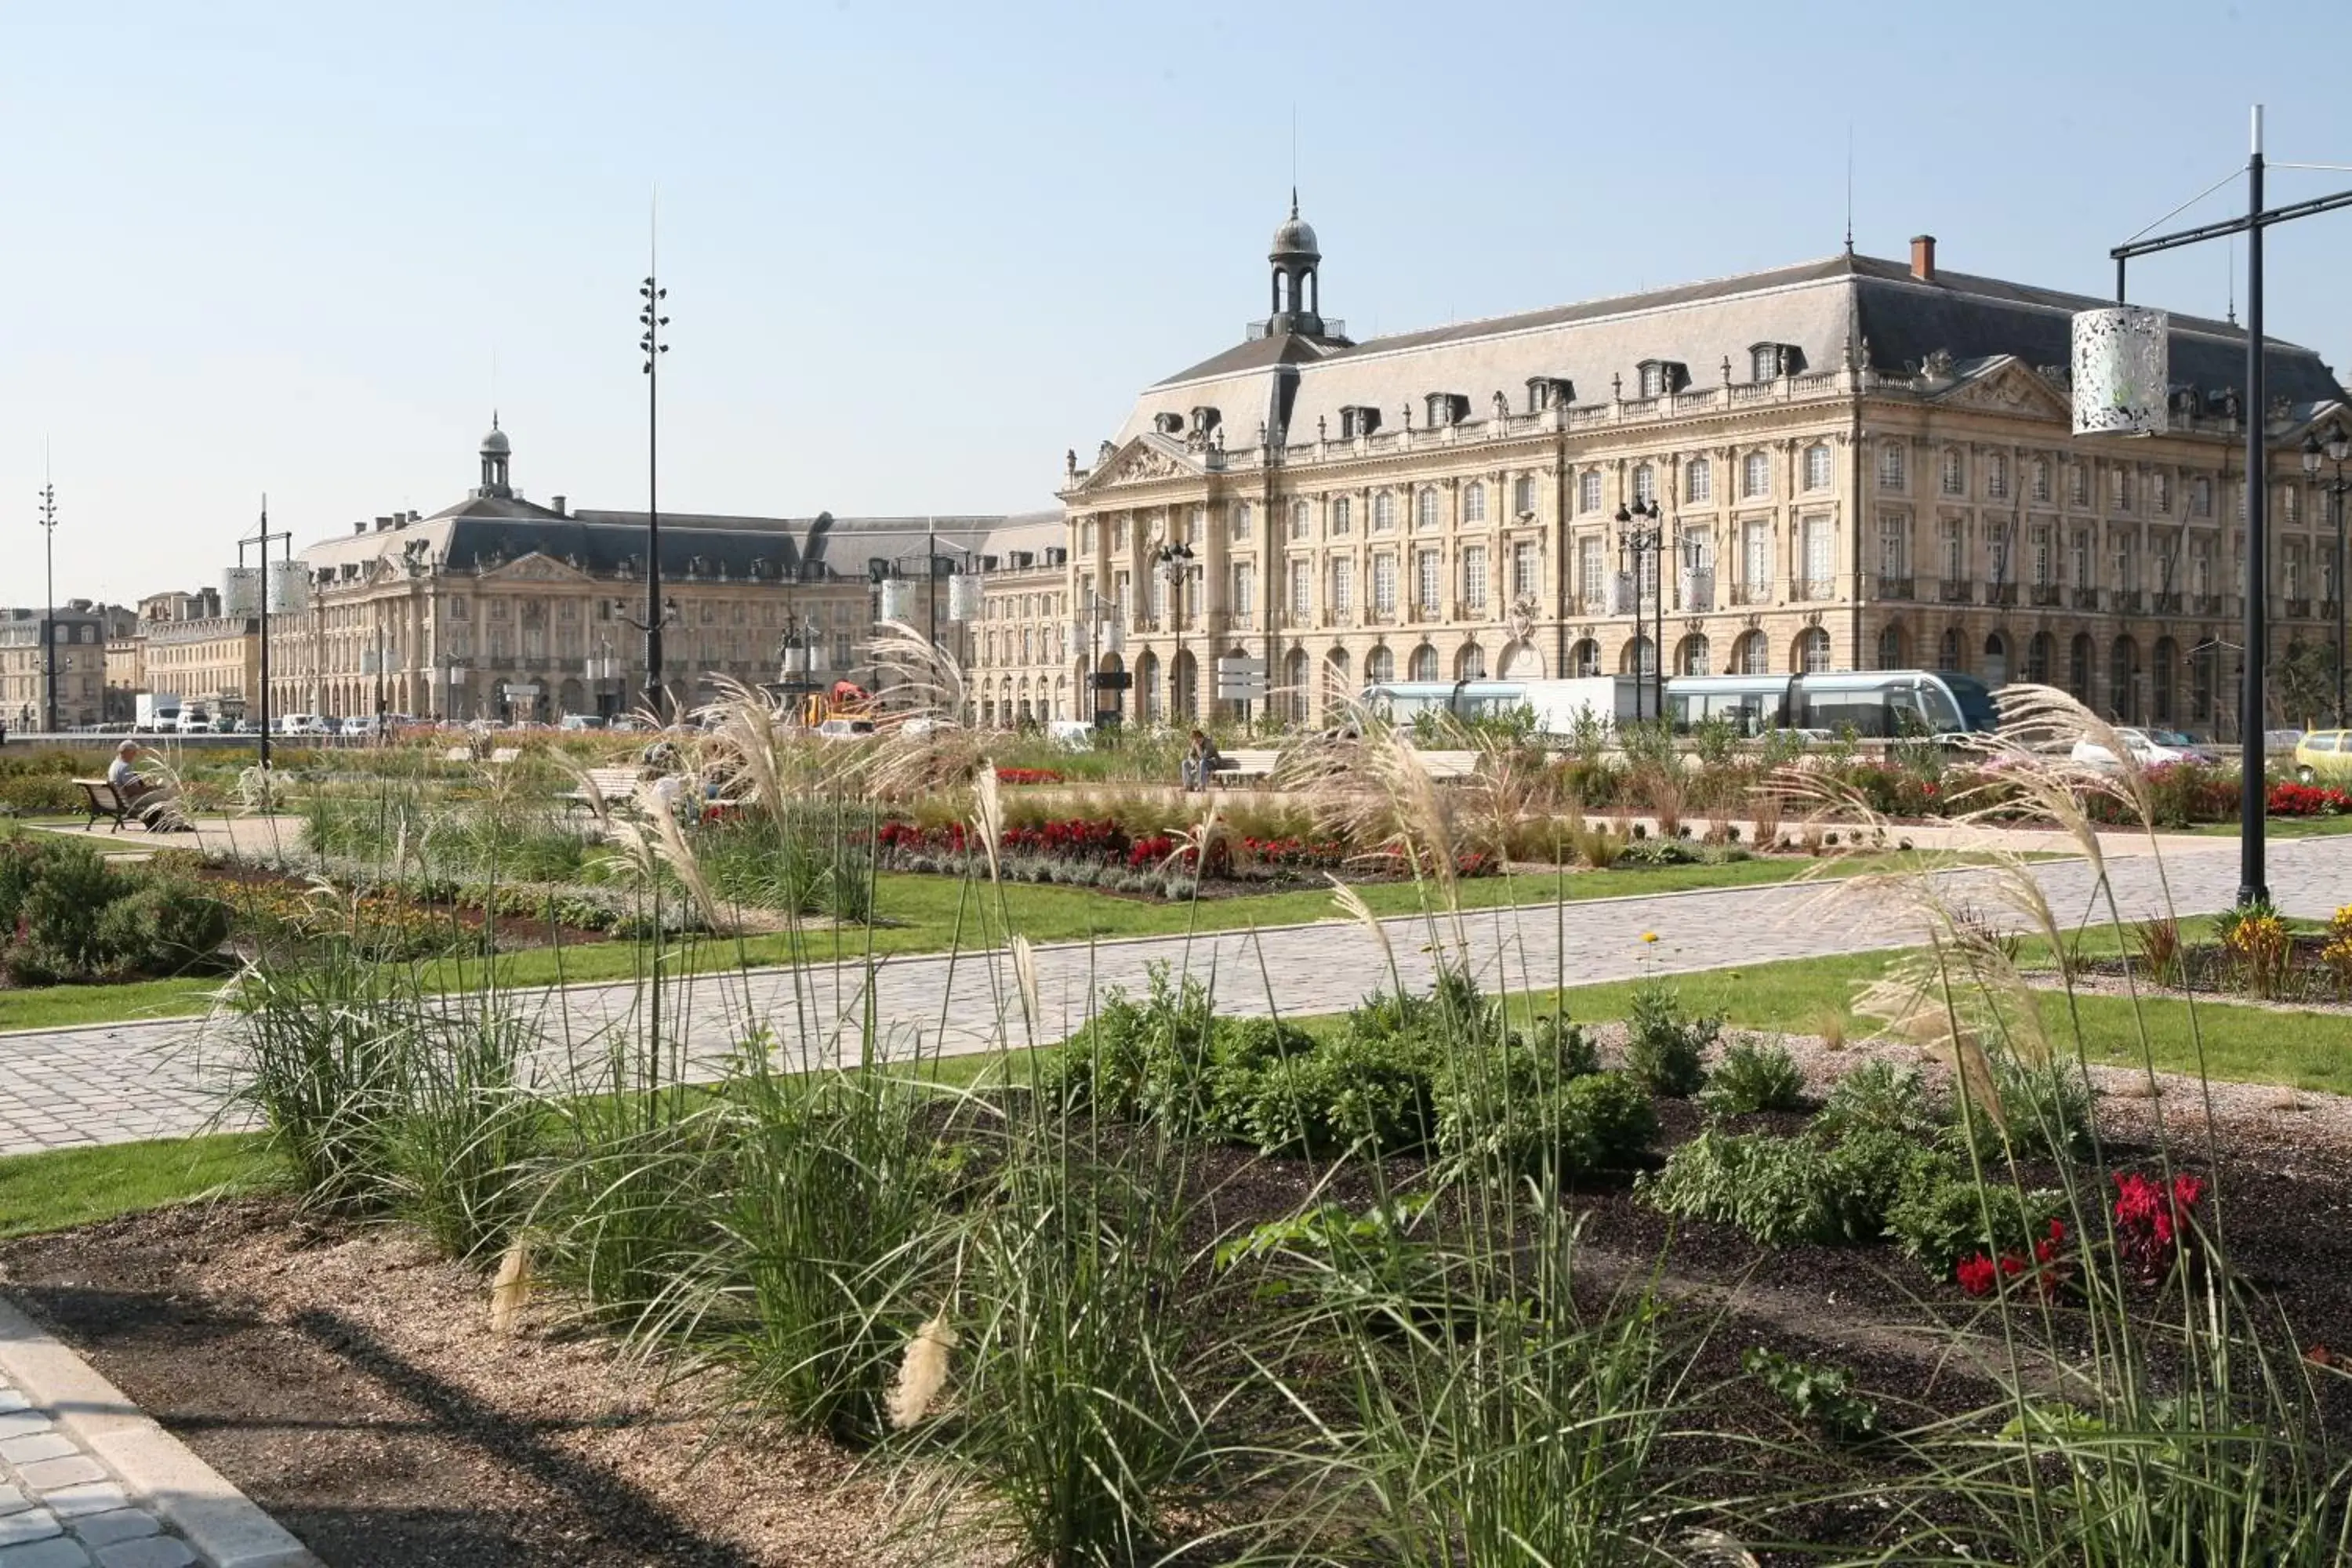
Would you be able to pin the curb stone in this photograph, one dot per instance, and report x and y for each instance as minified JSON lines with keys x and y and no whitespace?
{"x":222,"y":1526}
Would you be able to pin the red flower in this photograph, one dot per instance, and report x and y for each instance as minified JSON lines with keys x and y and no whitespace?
{"x":1975,"y":1275}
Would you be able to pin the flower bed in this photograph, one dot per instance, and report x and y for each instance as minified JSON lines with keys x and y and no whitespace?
{"x":1028,"y":776}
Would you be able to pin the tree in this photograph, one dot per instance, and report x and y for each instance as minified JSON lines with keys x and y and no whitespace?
{"x":2302,"y":681}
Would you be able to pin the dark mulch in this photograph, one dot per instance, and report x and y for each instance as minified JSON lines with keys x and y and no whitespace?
{"x":385,"y":1453}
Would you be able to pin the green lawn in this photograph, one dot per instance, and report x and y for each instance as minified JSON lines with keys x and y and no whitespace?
{"x":2250,"y":1045}
{"x":65,"y":1187}
{"x":936,"y":914}
{"x":2281,"y":827}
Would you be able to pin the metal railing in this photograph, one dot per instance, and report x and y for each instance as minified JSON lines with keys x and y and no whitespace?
{"x":1955,"y":591}
{"x":1892,"y":587}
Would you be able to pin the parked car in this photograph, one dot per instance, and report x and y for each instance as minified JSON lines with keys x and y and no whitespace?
{"x":303,"y":724}
{"x":2323,"y":756}
{"x":2148,"y":748}
{"x":194,"y":720}
{"x":575,"y":722}
{"x":844,"y":729}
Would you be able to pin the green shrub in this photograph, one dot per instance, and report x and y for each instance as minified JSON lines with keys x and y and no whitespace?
{"x":164,"y":926}
{"x":2047,"y":1110}
{"x":1374,"y":1090}
{"x":1666,"y":1049}
{"x":1784,"y":1191}
{"x":1753,"y":1077}
{"x":1941,"y":1215}
{"x":1820,"y":1396}
{"x":1878,"y":1094}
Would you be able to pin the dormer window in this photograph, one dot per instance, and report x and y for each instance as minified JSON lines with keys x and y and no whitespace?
{"x":1206,"y":420}
{"x":1355,"y":420}
{"x":1658,"y":377}
{"x":1546,"y":392}
{"x":1771,"y":362}
{"x":1168,"y":423}
{"x":1447,"y":408}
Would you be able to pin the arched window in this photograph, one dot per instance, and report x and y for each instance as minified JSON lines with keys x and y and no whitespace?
{"x":1474,"y":502}
{"x":2037,"y":482}
{"x":2078,"y":667}
{"x":2123,"y":665}
{"x":1955,"y":472}
{"x":1890,"y":646}
{"x":1588,"y":492}
{"x":1646,"y":483}
{"x":1890,"y":466}
{"x":1385,"y":511}
{"x":1641,"y":657}
{"x":1423,"y":665}
{"x":2162,"y":696}
{"x":1294,"y":679}
{"x":1380,"y":666}
{"x":1470,"y":664}
{"x":1424,"y":511}
{"x":1302,"y":520}
{"x":1752,"y":655}
{"x":1698,"y":480}
{"x":1948,"y":651}
{"x":1343,"y":516}
{"x":1813,"y":650}
{"x":1584,"y":659}
{"x":1754,"y":476}
{"x":1996,"y":659}
{"x":1523,"y":495}
{"x":1817,"y":468}
{"x":1335,"y":691}
{"x":1691,"y":658}
{"x":2040,"y":654}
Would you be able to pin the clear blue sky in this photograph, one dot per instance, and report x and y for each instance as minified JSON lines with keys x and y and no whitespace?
{"x":917,"y":250}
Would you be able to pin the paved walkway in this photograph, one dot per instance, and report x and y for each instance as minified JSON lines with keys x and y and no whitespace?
{"x":117,"y":1082}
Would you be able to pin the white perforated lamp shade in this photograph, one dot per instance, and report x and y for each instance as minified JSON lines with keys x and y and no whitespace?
{"x":2122,"y":371}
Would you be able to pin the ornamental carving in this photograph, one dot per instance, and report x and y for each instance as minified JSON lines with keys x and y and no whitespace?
{"x":1145,"y":463}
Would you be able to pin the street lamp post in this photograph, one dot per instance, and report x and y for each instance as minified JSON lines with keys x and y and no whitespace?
{"x":649,"y":317}
{"x":49,"y":615}
{"x":2338,"y":450}
{"x":261,"y":539}
{"x":2253,"y":883}
{"x":1176,"y":565}
{"x":1639,"y":537}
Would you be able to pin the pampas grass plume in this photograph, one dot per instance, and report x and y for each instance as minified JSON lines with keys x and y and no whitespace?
{"x":923,"y":1372}
{"x":511,"y":1287}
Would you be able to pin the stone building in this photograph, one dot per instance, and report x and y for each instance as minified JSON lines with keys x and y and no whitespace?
{"x":1855,"y":462}
{"x":191,"y":649}
{"x":75,"y":651}
{"x":501,"y":607}
{"x":1020,"y":654}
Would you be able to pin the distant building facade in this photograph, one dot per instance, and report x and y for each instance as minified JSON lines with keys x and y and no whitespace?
{"x":71,"y":655}
{"x":1856,"y":463}
{"x":500,"y":607}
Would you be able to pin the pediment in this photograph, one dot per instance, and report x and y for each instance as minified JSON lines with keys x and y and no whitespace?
{"x":536,"y":566}
{"x":1146,"y":460}
{"x":2008,"y":385}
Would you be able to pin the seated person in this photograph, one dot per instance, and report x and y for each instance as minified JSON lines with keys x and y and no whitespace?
{"x":1200,"y":761}
{"x":155,"y":806}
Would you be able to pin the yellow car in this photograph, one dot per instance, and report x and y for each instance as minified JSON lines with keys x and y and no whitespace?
{"x":2323,"y":756}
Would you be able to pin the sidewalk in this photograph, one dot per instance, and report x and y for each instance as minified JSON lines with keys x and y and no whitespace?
{"x":88,"y":1481}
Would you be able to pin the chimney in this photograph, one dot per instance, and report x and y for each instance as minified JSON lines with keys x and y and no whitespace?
{"x":557,"y":501}
{"x":383,"y":525}
{"x":1922,"y":258}
{"x":359,"y":527}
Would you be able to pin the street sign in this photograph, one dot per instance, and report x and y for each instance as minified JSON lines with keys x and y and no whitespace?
{"x":519,"y":693}
{"x":1240,"y":680}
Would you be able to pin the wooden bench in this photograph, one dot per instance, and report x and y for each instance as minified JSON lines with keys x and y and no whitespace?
{"x":103,"y":800}
{"x":1449,"y":767}
{"x":1235,"y":766}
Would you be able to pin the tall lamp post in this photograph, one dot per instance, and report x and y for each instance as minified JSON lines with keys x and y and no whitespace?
{"x":261,"y":539}
{"x":651,"y":294}
{"x":2338,"y":450}
{"x":1639,"y":537}
{"x":2253,"y":883}
{"x":49,"y":615}
{"x":1176,"y":565}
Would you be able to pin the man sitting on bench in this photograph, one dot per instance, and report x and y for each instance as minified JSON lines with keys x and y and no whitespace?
{"x":155,"y":806}
{"x":1201,"y":762}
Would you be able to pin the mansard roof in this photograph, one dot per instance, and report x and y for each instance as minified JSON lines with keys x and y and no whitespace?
{"x":1824,"y":308}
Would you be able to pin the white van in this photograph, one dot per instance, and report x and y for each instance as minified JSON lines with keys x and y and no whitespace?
{"x":195,"y":720}
{"x":1071,"y":734}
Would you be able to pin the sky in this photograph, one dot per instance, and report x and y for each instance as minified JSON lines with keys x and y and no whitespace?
{"x":916,"y":250}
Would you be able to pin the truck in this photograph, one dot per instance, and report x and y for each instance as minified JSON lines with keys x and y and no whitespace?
{"x":158,"y":714}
